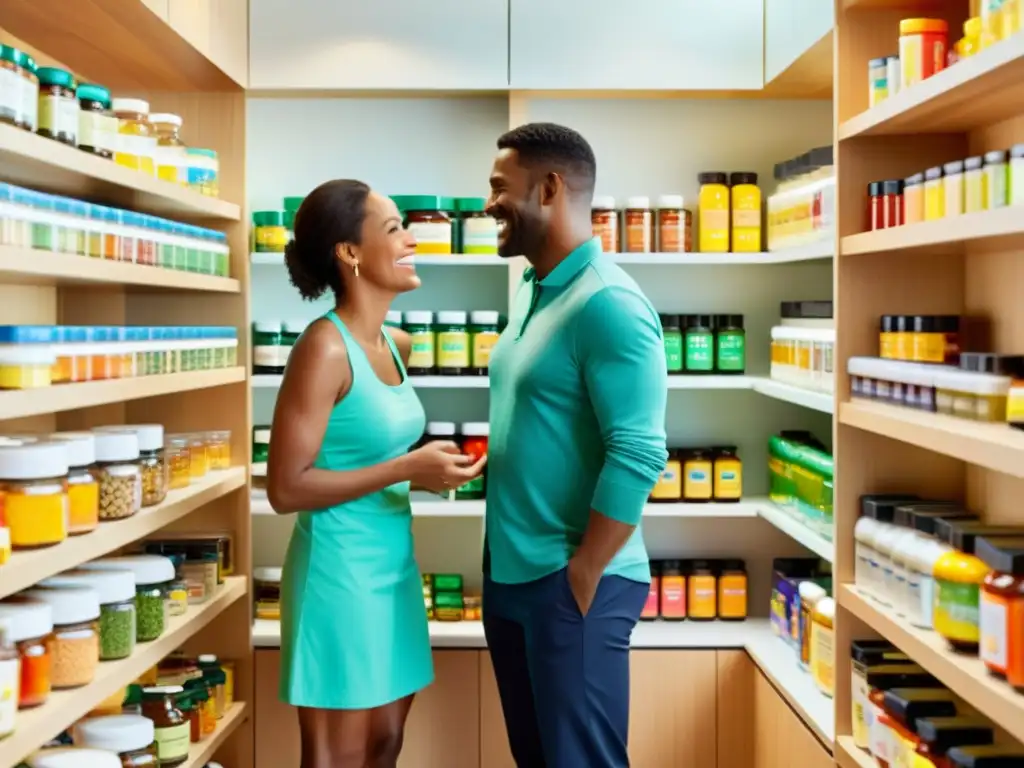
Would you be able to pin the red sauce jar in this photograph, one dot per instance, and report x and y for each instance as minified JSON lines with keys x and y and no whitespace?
{"x":474,"y":445}
{"x":892,"y":203}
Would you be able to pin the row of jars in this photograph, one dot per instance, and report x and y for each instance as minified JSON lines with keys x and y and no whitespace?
{"x":31,"y":219}
{"x":66,"y":484}
{"x":51,"y":102}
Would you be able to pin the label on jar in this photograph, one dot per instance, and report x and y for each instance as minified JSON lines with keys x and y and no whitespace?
{"x":135,"y":146}
{"x":670,"y":484}
{"x":10,"y":94}
{"x":674,"y":351}
{"x":605,"y":225}
{"x":58,"y":115}
{"x":90,"y":127}
{"x":638,"y":231}
{"x":421,"y":353}
{"x":271,"y":356}
{"x":672,"y":232}
{"x":700,"y":354}
{"x":171,"y":164}
{"x":9,"y":687}
{"x":731,"y":352}
{"x":956,"y":611}
{"x":483,"y":343}
{"x":993,"y":647}
{"x":714,"y":231}
{"x":452,"y":349}
{"x":822,"y":657}
{"x":431,"y":236}
{"x":172,"y":742}
{"x":479,"y":235}
{"x":30,"y":102}
{"x":727,"y":484}
{"x":697,"y":483}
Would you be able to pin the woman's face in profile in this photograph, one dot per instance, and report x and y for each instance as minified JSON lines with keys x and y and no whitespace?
{"x":387,"y":248}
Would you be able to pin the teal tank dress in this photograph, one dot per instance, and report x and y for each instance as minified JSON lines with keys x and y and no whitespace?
{"x":353,"y":623}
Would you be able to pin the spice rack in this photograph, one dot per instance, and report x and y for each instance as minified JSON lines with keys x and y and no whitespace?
{"x":967,"y":265}
{"x":39,"y":287}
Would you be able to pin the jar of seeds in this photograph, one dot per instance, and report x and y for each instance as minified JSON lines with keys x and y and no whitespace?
{"x":120,"y":473}
{"x":153,"y":575}
{"x":116,"y":590}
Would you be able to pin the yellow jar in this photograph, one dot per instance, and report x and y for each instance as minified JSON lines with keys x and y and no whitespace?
{"x":34,"y":493}
{"x":934,"y":194}
{"x":823,"y":657}
{"x":136,"y":141}
{"x":728,"y":475}
{"x":746,"y":212}
{"x":670,"y":485}
{"x":218,"y":449}
{"x":698,"y":472}
{"x":178,"y":469}
{"x":198,"y":456}
{"x":958,"y":579}
{"x":974,"y":185}
{"x":971,"y":42}
{"x":713,"y":212}
{"x":170,"y":149}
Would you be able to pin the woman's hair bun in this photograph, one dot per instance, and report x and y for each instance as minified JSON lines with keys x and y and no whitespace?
{"x":332,"y":213}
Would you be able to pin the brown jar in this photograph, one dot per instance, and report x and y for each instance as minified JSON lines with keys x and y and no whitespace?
{"x":674,"y":225}
{"x":605,"y":222}
{"x":172,"y":728}
{"x":58,"y":106}
{"x":639,"y":225}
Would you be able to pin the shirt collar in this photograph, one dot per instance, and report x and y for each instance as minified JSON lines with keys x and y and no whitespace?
{"x":569,"y":267}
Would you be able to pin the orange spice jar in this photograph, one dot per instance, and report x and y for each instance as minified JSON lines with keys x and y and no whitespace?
{"x":604,"y":220}
{"x":674,"y":225}
{"x":639,"y":225}
{"x":732,"y":591}
{"x":702,"y":593}
{"x":673,"y":591}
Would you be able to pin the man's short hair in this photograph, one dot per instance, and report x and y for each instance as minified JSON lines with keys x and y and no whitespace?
{"x":548,"y":147}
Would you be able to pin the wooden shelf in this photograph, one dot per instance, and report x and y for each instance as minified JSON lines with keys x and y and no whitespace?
{"x":809,"y":76}
{"x":28,"y":567}
{"x":980,"y":90}
{"x":965,"y":675}
{"x":790,"y":393}
{"x":69,"y":397}
{"x":37,"y":726}
{"x":822,"y":249}
{"x":993,"y":446}
{"x":39,"y":163}
{"x":849,"y":755}
{"x":200,"y":754}
{"x":27,"y":266}
{"x":452,"y":260}
{"x":974,"y":227}
{"x":121,"y":43}
{"x":797,"y":530}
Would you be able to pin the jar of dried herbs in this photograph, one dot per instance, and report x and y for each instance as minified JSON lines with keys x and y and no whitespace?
{"x":116,"y":591}
{"x":153,"y":575}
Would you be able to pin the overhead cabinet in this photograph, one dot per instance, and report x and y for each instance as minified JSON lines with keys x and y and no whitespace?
{"x":791,"y":27}
{"x":645,"y":45}
{"x":443,"y":45}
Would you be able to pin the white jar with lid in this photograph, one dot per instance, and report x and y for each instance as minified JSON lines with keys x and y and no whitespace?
{"x":30,"y":628}
{"x":116,"y":592}
{"x":902,"y":547}
{"x":74,"y":757}
{"x":76,"y":634}
{"x":153,"y":575}
{"x":133,"y":737}
{"x":921,"y":563}
{"x":864,"y":533}
{"x":120,"y":473}
{"x":36,"y":509}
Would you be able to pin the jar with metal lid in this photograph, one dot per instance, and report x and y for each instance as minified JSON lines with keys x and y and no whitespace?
{"x":97,"y":126}
{"x":58,"y":107}
{"x":453,"y":354}
{"x":9,"y":683}
{"x":73,"y":757}
{"x":171,"y":728}
{"x":136,"y":142}
{"x":155,"y":475}
{"x":30,"y":627}
{"x":639,"y":225}
{"x":419,"y":324}
{"x":604,"y":221}
{"x":427,"y":222}
{"x":115,"y":590}
{"x":120,"y":473}
{"x":34,"y":484}
{"x":131,"y":737}
{"x":75,"y":653}
{"x":170,"y":161}
{"x":153,"y":574}
{"x":267,"y":593}
{"x":83,"y":481}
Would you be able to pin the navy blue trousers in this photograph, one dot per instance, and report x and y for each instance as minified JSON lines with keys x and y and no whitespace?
{"x":563,"y":678}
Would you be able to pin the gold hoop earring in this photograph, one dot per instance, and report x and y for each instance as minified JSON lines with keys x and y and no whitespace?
{"x":355,"y":268}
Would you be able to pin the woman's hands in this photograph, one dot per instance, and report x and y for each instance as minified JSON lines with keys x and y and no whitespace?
{"x":440,"y":466}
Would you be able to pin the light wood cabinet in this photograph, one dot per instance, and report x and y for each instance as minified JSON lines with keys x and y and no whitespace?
{"x":781,"y":739}
{"x":219,"y":29}
{"x":276,"y":724}
{"x":790,"y":28}
{"x":655,"y":44}
{"x":735,"y":709}
{"x":494,"y":749}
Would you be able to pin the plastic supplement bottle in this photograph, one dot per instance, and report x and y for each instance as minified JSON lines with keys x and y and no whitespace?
{"x":713,"y":216}
{"x":746,"y":212}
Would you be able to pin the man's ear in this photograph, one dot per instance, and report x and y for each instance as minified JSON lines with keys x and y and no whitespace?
{"x":551,"y":187}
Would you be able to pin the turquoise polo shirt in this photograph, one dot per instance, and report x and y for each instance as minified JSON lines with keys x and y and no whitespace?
{"x":578,"y":390}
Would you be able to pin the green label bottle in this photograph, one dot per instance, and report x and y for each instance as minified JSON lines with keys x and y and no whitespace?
{"x":700,"y":344}
{"x":673,"y":336}
{"x":730,"y":344}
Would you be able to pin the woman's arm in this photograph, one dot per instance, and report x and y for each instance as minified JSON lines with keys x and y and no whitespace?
{"x":403,"y":341}
{"x":318,"y":372}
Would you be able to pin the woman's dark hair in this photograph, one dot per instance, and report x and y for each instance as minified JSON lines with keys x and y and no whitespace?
{"x":332,"y":213}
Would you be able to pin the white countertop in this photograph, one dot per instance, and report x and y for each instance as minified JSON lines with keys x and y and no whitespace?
{"x":776,"y":660}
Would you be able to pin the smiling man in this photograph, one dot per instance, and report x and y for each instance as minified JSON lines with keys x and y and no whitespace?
{"x":578,"y":388}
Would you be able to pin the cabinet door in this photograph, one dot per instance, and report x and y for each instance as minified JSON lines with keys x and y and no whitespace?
{"x":443,"y":44}
{"x":735,"y":707}
{"x":441,"y":731}
{"x":782,"y":740}
{"x":654,"y":44}
{"x":276,"y":724}
{"x":790,"y":28}
{"x":494,"y":749}
{"x":672,"y":709}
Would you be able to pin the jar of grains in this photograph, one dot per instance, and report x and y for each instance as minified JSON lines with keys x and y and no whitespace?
{"x":116,"y":592}
{"x":117,"y":457}
{"x":153,"y":574}
{"x":33,"y":479}
{"x":83,"y":482}
{"x":154,"y":465}
{"x":30,"y":627}
{"x":76,"y":633}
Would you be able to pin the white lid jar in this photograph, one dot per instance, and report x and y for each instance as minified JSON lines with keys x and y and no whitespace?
{"x":36,"y":500}
{"x":152,"y":575}
{"x":126,"y":735}
{"x":76,"y":643}
{"x":864,"y":537}
{"x":120,"y":473}
{"x":74,"y":757}
{"x":115,"y":590}
{"x":29,"y":626}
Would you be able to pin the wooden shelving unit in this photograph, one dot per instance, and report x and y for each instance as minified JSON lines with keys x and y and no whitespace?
{"x":138,"y":50}
{"x":969,"y":265}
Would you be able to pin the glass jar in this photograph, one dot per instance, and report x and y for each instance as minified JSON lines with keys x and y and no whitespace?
{"x":153,"y":463}
{"x":75,"y":652}
{"x":58,"y":107}
{"x":713,"y":215}
{"x":171,"y":727}
{"x":452,"y":343}
{"x":9,"y":683}
{"x":216,"y":680}
{"x":672,"y":333}
{"x":427,"y":222}
{"x":484,"y":333}
{"x":200,"y":574}
{"x":822,"y":659}
{"x":191,"y":712}
{"x":30,"y":628}
{"x":203,"y":171}
{"x":423,"y":341}
{"x":136,"y":142}
{"x":29,"y":91}
{"x":10,"y":94}
{"x":478,"y":230}
{"x":269,"y":352}
{"x":604,"y":222}
{"x":153,"y":575}
{"x":699,"y":344}
{"x":732,"y":591}
{"x":176,"y":455}
{"x":131,"y":737}
{"x":996,"y":179}
{"x":974,"y":185}
{"x":698,"y":471}
{"x":115,"y":590}
{"x":639,"y":225}
{"x":120,"y":473}
{"x":33,"y":484}
{"x":670,"y":485}
{"x":267,"y":593}
{"x":83,"y":482}
{"x":171,"y":164}
{"x":218,"y":449}
{"x":97,"y":126}
{"x":745,"y":212}
{"x":177,"y":590}
{"x":728,"y":469}
{"x":674,"y":225}
{"x":198,"y":456}
{"x":199,"y":692}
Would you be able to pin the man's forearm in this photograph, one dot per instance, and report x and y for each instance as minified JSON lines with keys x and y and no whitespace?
{"x":602,"y":540}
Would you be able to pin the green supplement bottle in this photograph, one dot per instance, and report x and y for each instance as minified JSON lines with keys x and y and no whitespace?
{"x":730,"y":344}
{"x":673,"y":335}
{"x":452,"y":357}
{"x":420,"y":327}
{"x":484,"y":333}
{"x":699,"y":344}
